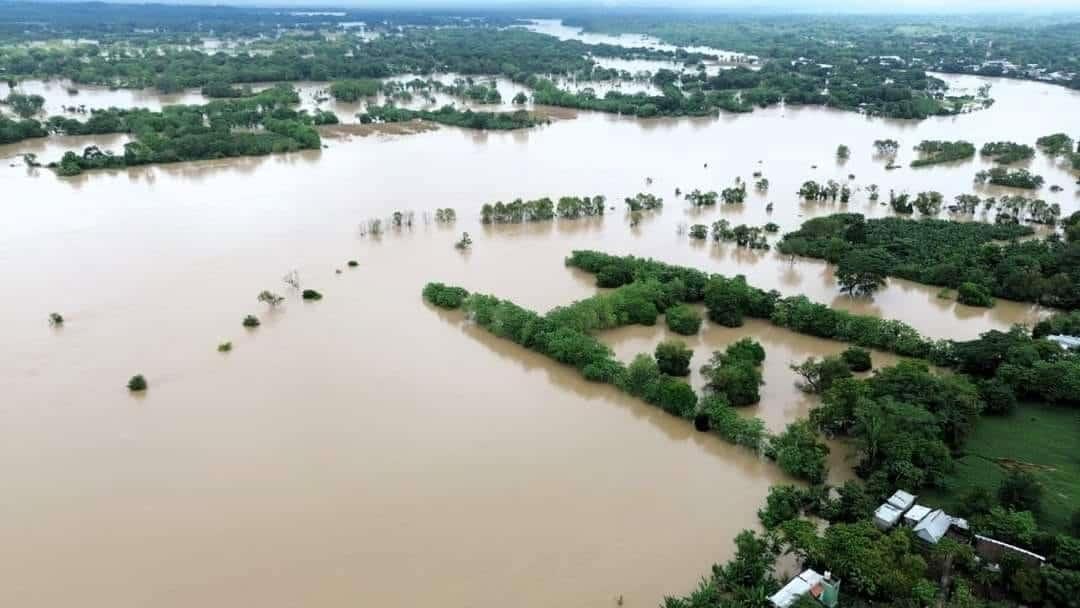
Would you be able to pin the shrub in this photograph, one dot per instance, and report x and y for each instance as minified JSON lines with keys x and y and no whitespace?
{"x":974,"y":294}
{"x":736,"y":380}
{"x":56,"y":319}
{"x":445,"y":296}
{"x":251,"y":321}
{"x":683,"y":319}
{"x":999,"y":397}
{"x":673,"y":358}
{"x":783,"y":503}
{"x":137,"y":383}
{"x":725,"y":421}
{"x":747,"y":350}
{"x":857,"y":359}
{"x":798,"y":452}
{"x":271,"y":298}
{"x":224,"y":347}
{"x":311,"y":294}
{"x":353,"y":263}
{"x":818,"y":376}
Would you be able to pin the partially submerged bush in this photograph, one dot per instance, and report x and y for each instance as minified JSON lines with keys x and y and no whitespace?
{"x":224,"y":347}
{"x":673,"y":358}
{"x":857,"y":359}
{"x":311,"y":294}
{"x":137,"y":383}
{"x":251,"y":321}
{"x":683,"y":319}
{"x":56,"y":319}
{"x":353,"y":263}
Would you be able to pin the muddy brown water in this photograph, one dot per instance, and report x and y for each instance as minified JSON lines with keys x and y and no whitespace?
{"x":367,"y":449}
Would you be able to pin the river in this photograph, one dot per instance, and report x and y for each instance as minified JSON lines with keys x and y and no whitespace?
{"x":368,"y":449}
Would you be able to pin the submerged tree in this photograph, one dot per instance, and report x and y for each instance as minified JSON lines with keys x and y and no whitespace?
{"x":270,"y":298}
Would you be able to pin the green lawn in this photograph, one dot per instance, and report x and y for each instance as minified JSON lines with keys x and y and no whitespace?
{"x":1041,"y":438}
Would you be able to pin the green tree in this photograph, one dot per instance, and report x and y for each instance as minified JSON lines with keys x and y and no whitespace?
{"x":862,"y":271}
{"x":673,"y":357}
{"x":1021,"y":491}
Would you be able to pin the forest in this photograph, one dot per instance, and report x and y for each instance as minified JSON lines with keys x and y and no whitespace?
{"x":249,"y":126}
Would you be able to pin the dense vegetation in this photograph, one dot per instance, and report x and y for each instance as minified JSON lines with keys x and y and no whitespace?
{"x":514,"y":53}
{"x":1037,"y":48}
{"x":249,"y":126}
{"x":934,"y":152}
{"x":950,"y":254}
{"x":1006,"y":152}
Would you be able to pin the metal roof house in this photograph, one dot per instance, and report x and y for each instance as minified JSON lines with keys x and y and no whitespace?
{"x":1066,"y":342}
{"x":935,"y":526}
{"x":821,"y":587}
{"x":889,"y":513}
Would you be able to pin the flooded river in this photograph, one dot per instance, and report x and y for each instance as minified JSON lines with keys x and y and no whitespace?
{"x":367,"y":449}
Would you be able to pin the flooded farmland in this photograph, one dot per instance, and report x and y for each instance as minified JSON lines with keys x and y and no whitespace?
{"x":368,"y":449}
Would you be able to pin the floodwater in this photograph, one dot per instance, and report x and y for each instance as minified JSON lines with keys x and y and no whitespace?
{"x":370,"y":450}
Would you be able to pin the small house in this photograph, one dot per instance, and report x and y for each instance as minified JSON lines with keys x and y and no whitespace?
{"x":932,"y":528}
{"x":821,"y":587}
{"x":1066,"y":342}
{"x":889,"y":513}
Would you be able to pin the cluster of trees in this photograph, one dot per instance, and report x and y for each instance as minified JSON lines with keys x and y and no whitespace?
{"x":261,"y":124}
{"x":1015,"y":178}
{"x":935,"y":152}
{"x":830,"y":190}
{"x":818,"y":375}
{"x":735,"y":373}
{"x":450,"y":115}
{"x":1006,"y":152}
{"x":949,"y":254}
{"x":352,"y":90}
{"x":742,"y":235}
{"x":542,"y":209}
{"x":12,"y":131}
{"x":24,"y":106}
{"x":698,"y":198}
{"x":1016,"y":365}
{"x":643,"y":201}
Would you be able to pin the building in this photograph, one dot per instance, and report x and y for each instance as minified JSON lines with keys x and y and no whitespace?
{"x":993,"y":551}
{"x":1066,"y":342}
{"x":936,"y":524}
{"x":821,"y":587}
{"x":930,"y":525}
{"x":889,"y":513}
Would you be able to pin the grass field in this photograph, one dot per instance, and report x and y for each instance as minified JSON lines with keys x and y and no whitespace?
{"x":1043,"y":439}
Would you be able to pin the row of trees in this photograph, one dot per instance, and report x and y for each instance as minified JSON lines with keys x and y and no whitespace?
{"x":450,"y":115}
{"x":543,"y":209}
